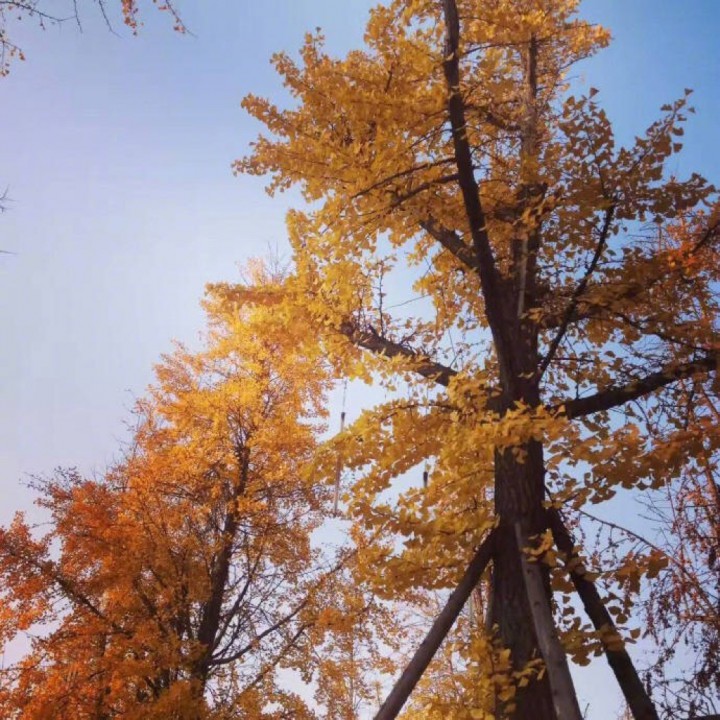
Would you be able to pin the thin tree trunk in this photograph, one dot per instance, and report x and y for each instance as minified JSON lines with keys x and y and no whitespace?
{"x":439,"y":630}
{"x":212,"y":608}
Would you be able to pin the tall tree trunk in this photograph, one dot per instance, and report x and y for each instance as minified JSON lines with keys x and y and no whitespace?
{"x":518,"y":498}
{"x":519,"y":486}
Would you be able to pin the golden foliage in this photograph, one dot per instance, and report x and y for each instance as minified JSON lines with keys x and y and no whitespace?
{"x":558,"y":276}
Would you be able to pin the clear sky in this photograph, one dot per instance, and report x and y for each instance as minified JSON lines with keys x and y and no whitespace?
{"x":116,"y":152}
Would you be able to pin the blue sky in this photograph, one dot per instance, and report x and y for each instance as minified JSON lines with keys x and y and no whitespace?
{"x":116,"y":151}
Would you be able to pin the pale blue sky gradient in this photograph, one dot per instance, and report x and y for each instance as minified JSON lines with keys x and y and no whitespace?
{"x":116,"y":152}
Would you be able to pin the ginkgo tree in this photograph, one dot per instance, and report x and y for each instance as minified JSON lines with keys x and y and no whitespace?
{"x":185,"y":583}
{"x":567,"y":286}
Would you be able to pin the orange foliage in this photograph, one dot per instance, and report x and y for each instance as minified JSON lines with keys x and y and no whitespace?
{"x":181,"y":583}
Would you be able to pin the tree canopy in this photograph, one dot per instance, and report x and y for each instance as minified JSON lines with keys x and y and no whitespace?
{"x":568,"y":288}
{"x":180,"y":584}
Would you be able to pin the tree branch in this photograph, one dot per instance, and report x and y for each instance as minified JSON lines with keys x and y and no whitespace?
{"x":452,"y":242}
{"x":255,"y":642}
{"x":371,"y":340}
{"x":400,"y":175}
{"x":487,"y":115}
{"x":51,"y":572}
{"x":619,"y":395}
{"x":490,"y":279}
{"x":629,"y":289}
{"x":579,"y":290}
{"x":399,"y":199}
{"x":579,"y":407}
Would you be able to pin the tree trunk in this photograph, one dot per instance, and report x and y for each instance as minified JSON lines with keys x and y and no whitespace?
{"x":519,"y":493}
{"x":210,"y":619}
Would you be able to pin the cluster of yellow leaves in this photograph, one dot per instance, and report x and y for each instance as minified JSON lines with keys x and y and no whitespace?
{"x":377,"y":175}
{"x":130,"y":11}
{"x":471,"y":678}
